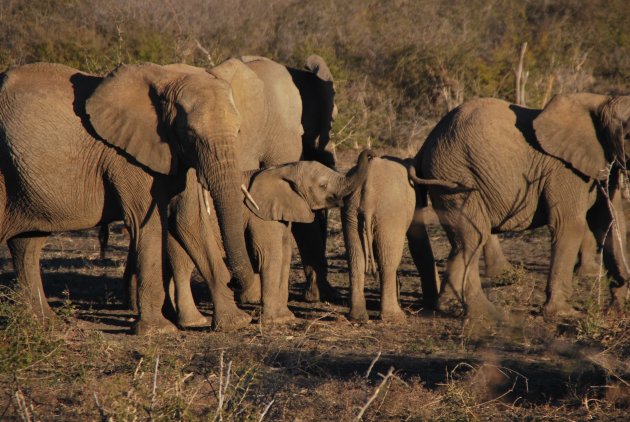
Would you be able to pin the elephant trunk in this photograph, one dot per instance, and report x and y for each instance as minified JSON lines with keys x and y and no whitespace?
{"x":356,"y":177}
{"x":221,"y":176}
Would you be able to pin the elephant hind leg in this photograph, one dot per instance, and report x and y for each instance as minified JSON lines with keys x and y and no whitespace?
{"x":565,"y":243}
{"x":389,"y":244}
{"x":463,"y":284}
{"x":26,"y":252}
{"x":495,"y":260}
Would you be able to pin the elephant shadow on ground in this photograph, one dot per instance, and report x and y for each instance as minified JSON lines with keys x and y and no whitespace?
{"x":508,"y":380}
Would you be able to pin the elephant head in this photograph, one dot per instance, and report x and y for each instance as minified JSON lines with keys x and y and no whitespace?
{"x":171,"y":118}
{"x":290,"y":192}
{"x":587,"y":131}
{"x":591,"y":133}
{"x":317,"y":90}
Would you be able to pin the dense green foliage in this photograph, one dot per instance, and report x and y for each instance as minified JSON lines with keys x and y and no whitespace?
{"x":399,"y":64}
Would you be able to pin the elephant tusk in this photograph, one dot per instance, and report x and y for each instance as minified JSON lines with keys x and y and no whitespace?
{"x":249,"y":197}
{"x":205,"y":201}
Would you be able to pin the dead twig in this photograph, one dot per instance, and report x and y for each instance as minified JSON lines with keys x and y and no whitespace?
{"x":386,"y":378}
{"x":367,"y":374}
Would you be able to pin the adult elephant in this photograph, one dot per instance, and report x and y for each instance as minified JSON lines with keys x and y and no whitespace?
{"x":275,"y":103}
{"x":518,"y":168}
{"x":316,"y":85}
{"x":80,"y":151}
{"x":272,"y":133}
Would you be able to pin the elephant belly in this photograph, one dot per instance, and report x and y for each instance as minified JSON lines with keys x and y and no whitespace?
{"x":53,"y":190}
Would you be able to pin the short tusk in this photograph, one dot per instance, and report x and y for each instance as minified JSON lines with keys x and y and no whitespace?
{"x":205,"y":195}
{"x":249,"y":197}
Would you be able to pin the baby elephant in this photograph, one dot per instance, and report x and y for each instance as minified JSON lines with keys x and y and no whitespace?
{"x":375,"y":220}
{"x":275,"y":198}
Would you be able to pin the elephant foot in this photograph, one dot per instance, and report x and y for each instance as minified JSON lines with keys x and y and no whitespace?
{"x":618,"y":298}
{"x":496,"y":269}
{"x":589,"y":269}
{"x":161,"y":326}
{"x":281,"y":316}
{"x":394,"y":317}
{"x":231,"y":321}
{"x":480,"y":308}
{"x":321,"y":292}
{"x":559,"y":309}
{"x":250,"y":295}
{"x":359,"y":315}
{"x":192,"y":320}
{"x":449,"y":303}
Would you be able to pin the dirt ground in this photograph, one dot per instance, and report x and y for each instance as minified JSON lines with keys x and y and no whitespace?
{"x":322,"y":367}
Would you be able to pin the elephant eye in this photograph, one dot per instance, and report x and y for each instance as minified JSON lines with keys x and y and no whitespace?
{"x":323,"y":185}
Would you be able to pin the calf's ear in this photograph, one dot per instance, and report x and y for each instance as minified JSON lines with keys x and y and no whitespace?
{"x":277,"y":200}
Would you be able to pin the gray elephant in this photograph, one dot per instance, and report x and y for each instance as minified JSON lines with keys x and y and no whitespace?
{"x":317,"y":90}
{"x":269,"y":98}
{"x":517,"y":168}
{"x":82,"y":151}
{"x":375,"y":220}
{"x":277,"y":197}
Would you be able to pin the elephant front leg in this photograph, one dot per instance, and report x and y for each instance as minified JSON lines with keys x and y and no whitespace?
{"x":26,"y":252}
{"x":274,"y":273}
{"x":151,"y":283}
{"x":188,"y":316}
{"x":227,"y":316}
{"x":130,"y":281}
{"x":566,"y":237}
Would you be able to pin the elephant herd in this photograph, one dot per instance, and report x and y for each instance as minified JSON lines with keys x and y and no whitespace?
{"x":218,"y":168}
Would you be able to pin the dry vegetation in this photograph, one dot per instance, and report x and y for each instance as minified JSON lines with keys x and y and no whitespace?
{"x":323,"y":367}
{"x":399,"y":65}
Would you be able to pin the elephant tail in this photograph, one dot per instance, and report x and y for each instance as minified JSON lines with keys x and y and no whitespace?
{"x":411,"y":169}
{"x":368,"y":245}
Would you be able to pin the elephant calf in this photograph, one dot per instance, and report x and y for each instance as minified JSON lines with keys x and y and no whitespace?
{"x":276,"y":197}
{"x":375,"y":220}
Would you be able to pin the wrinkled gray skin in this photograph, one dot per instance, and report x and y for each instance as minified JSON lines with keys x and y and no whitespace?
{"x":82,"y":151}
{"x":376,"y":218}
{"x":282,"y":195}
{"x":520,"y":168}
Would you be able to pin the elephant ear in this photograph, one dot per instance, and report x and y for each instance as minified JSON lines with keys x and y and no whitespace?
{"x":318,"y":66}
{"x":566,"y":130}
{"x":246,"y":85}
{"x":274,"y":193}
{"x":248,"y":93}
{"x":124,"y":111}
